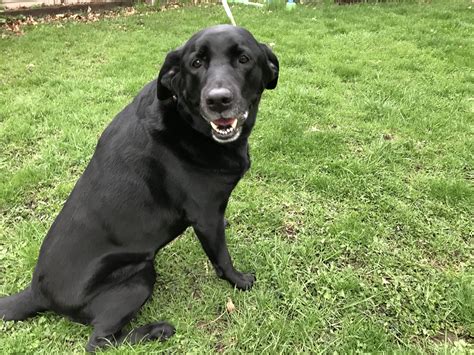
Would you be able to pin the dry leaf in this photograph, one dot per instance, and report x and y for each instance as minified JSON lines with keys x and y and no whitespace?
{"x":230,"y":305}
{"x":15,"y":25}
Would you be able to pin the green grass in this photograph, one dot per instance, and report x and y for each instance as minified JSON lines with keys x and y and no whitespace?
{"x":356,"y":213}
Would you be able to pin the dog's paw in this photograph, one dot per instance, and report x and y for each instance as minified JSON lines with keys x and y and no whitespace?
{"x":244,"y":281}
{"x":160,"y":331}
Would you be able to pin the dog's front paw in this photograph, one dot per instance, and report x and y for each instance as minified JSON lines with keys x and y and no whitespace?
{"x":160,"y":331}
{"x":243,"y":281}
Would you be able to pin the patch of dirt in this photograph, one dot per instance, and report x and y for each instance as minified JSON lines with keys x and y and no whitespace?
{"x":293,"y":223}
{"x":220,"y":348}
{"x":451,"y":337}
{"x":289,"y":230}
{"x":16,"y":25}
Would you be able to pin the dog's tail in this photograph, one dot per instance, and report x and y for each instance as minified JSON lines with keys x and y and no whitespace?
{"x":19,"y":306}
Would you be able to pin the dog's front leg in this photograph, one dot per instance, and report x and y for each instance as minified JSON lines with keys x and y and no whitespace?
{"x":212,"y":238}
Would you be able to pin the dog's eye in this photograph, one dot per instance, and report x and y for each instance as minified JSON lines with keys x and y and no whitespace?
{"x":243,"y":59}
{"x":196,"y":63}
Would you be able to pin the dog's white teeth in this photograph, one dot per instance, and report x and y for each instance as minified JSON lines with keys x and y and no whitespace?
{"x":246,"y":114}
{"x":224,"y":131}
{"x":227,"y":130}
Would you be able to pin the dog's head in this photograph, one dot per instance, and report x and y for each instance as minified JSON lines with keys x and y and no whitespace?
{"x":217,"y":79}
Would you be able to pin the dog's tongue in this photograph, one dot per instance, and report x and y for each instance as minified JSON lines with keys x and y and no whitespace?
{"x":224,"y":121}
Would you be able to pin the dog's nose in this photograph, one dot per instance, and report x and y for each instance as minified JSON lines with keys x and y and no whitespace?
{"x":219,"y":99}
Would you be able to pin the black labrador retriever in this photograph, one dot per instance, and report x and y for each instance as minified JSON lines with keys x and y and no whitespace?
{"x":169,"y":160}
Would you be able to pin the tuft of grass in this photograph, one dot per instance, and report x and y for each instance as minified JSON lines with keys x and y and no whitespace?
{"x":356,"y":214}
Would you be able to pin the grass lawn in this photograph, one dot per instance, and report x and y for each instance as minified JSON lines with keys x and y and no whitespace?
{"x":356,"y":214}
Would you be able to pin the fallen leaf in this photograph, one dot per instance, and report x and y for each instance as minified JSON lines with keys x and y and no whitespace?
{"x":230,"y":305}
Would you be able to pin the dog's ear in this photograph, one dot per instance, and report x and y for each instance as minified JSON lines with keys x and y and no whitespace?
{"x":271,"y":69}
{"x":168,"y":73}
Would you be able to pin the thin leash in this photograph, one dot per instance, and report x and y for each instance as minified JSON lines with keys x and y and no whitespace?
{"x":228,"y":12}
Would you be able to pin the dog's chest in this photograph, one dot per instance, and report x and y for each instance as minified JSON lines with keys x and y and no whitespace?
{"x":183,"y":180}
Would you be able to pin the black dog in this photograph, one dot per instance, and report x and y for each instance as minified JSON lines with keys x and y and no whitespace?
{"x":169,"y":160}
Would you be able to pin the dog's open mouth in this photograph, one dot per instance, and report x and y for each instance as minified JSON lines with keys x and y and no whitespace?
{"x":225,"y":130}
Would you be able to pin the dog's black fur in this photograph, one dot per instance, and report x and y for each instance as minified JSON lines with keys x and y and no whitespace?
{"x":158,"y":168}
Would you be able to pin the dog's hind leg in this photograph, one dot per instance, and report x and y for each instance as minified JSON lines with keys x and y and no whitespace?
{"x":114,"y":308}
{"x":19,"y":306}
